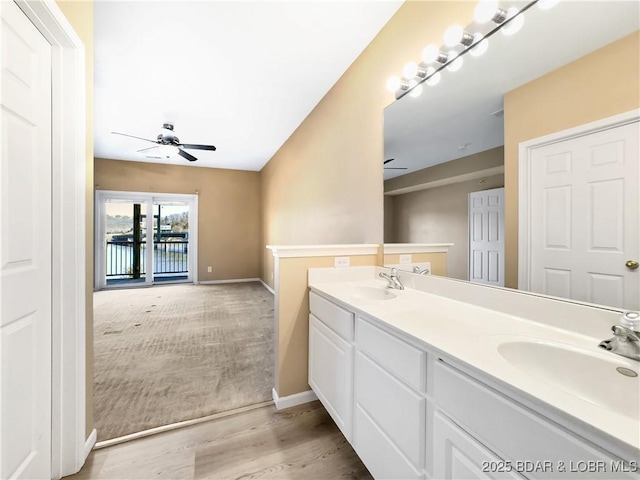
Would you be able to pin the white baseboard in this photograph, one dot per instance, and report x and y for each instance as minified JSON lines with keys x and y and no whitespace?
{"x":91,"y":441}
{"x":292,"y":400}
{"x":267,"y":287}
{"x":233,"y":280}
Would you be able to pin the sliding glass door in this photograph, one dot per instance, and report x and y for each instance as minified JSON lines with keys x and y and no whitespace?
{"x":142,"y":239}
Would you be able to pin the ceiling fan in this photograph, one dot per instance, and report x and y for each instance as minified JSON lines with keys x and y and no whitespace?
{"x":393,"y":168}
{"x":168,"y":144}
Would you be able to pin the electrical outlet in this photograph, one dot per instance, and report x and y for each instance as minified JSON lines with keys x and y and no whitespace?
{"x":209,"y":269}
{"x":342,"y":261}
{"x":405,"y":259}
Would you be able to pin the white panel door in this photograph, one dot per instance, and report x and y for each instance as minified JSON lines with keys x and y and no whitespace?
{"x":585,"y":218}
{"x":486,"y":237}
{"x":25,"y":248}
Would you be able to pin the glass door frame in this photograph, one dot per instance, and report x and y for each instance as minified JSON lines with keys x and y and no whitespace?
{"x":149,"y":200}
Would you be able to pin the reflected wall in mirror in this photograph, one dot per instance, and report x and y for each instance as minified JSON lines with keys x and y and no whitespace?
{"x":569,"y":66}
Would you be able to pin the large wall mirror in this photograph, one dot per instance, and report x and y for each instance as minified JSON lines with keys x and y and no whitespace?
{"x":451,"y":154}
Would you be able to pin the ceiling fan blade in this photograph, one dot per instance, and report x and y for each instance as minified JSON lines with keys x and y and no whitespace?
{"x":195,"y":146}
{"x":396,"y":168}
{"x":387,"y":161}
{"x":186,"y":155}
{"x":145,"y":149}
{"x":133,"y":136}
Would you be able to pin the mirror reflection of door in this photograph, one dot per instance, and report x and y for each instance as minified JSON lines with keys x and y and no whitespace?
{"x":584,"y":198}
{"x":486,"y":237}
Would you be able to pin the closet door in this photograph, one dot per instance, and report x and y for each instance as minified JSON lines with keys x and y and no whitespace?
{"x":25,"y":248}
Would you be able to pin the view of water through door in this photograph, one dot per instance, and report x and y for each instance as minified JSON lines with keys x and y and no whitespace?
{"x":144,"y":241}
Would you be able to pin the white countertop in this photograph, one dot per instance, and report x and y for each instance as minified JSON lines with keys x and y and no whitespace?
{"x":470,"y":334}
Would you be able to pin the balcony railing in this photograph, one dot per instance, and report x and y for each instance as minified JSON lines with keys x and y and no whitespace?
{"x":168,"y":258}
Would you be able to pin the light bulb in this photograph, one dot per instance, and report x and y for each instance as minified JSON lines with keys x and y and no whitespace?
{"x":453,"y":35}
{"x":481,"y":45}
{"x":430,"y":53}
{"x":409,"y":70}
{"x":393,"y":84}
{"x":168,"y":151}
{"x":514,"y":25}
{"x":485,"y":9}
{"x":456,"y":64}
{"x":417,"y":90}
{"x":547,"y":4}
{"x":434,"y":77}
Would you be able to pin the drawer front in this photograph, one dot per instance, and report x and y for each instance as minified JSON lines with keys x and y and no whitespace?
{"x":337,"y":318}
{"x":515,"y":433}
{"x":397,"y":410}
{"x":381,"y":457}
{"x":404,"y":360}
{"x":331,"y":373}
{"x":457,"y":455}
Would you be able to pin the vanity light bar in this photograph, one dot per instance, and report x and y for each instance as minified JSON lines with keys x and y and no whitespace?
{"x":458,"y":41}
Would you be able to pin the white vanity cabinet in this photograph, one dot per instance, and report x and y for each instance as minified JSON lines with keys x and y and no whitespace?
{"x":411,"y":412}
{"x":331,"y":359}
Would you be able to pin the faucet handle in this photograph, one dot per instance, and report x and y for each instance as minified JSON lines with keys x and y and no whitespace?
{"x":394,"y":272}
{"x":625,"y":332}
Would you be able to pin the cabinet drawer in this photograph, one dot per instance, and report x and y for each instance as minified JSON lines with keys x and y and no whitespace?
{"x":457,"y":455}
{"x":335,"y":317}
{"x":512,"y":431}
{"x":381,"y":457}
{"x":404,"y":360}
{"x":397,"y":410}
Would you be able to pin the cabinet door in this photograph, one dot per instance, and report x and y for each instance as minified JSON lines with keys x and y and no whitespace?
{"x":331,"y":373}
{"x":459,"y":456}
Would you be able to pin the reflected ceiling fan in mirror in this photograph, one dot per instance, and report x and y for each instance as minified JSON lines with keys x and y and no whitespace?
{"x":393,"y":168}
{"x":168,"y":144}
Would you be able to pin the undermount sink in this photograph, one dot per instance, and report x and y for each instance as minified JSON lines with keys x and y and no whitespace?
{"x":607,"y":382}
{"x":371,"y":293}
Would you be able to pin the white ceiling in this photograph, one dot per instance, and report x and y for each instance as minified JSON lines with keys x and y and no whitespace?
{"x":432,"y":128}
{"x":241,"y":75}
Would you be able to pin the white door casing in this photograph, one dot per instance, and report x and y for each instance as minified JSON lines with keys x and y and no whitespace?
{"x":69,"y":444}
{"x":25,"y":249}
{"x":583,"y":200}
{"x":486,"y":237}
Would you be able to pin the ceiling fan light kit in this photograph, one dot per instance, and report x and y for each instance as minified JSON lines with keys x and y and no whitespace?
{"x":489,"y":18}
{"x":169,"y":145}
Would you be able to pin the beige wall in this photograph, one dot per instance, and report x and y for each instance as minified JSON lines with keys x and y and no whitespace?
{"x":324,"y":185}
{"x":228,"y":209}
{"x":80,"y":16}
{"x":440,"y":215}
{"x":292,"y":349}
{"x":598,"y":85}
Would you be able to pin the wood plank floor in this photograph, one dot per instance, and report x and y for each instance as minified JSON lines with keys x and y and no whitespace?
{"x":297,"y":443}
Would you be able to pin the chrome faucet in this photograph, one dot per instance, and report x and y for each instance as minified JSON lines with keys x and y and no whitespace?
{"x":393,"y":279}
{"x":626,"y":339}
{"x":417,"y":270}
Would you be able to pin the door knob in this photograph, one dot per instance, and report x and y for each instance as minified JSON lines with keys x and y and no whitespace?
{"x":631,"y":264}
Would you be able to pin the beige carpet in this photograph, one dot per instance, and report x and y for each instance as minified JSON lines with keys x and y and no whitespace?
{"x":171,"y":353}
